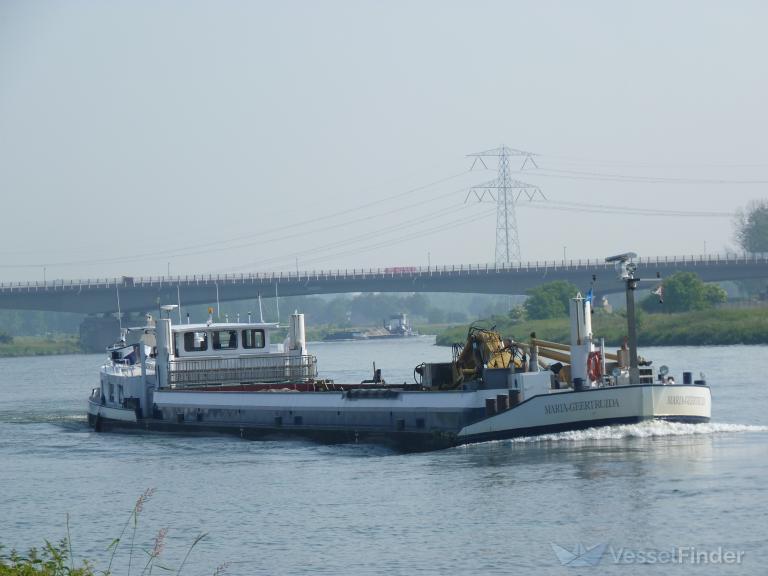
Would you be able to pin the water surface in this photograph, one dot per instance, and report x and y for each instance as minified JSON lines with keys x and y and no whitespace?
{"x":296,"y":507}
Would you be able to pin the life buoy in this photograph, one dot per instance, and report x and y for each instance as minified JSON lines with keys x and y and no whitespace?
{"x":594,"y":366}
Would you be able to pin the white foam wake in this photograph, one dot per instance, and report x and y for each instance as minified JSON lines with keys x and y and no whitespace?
{"x":649,"y":429}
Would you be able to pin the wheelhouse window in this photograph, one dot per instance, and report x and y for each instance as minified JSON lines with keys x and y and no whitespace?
{"x":225,"y":340}
{"x":195,"y":341}
{"x":253,"y":338}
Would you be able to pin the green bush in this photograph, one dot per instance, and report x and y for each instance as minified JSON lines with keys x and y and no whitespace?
{"x":550,"y":300}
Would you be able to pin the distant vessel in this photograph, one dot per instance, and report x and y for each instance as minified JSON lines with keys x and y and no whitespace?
{"x":397,"y":326}
{"x":345,"y":335}
{"x":227,"y":377}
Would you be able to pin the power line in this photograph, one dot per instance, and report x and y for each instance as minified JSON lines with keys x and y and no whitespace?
{"x":566,"y":159}
{"x":377,"y":234}
{"x":608,"y":209}
{"x":359,"y":249}
{"x":220,"y":245}
{"x":420,"y":234}
{"x":607,"y":177}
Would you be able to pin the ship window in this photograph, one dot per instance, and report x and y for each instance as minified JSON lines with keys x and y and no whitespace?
{"x":253,"y":338}
{"x":195,"y":341}
{"x":225,"y":340}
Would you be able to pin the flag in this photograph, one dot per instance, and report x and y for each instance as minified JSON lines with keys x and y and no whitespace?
{"x":659,"y":291}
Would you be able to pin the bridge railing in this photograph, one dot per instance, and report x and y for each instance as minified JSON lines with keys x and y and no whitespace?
{"x":363,"y":273}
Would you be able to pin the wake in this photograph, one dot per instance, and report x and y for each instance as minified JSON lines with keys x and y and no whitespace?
{"x":649,"y":429}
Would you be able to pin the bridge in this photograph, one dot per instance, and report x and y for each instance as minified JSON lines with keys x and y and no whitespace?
{"x":141,"y":294}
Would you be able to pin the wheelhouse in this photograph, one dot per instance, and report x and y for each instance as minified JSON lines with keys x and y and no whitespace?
{"x":200,"y":340}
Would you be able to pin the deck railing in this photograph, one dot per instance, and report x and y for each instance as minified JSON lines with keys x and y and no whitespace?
{"x":271,"y":369}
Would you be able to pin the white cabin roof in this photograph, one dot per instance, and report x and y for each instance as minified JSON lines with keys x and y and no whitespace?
{"x":223,"y":326}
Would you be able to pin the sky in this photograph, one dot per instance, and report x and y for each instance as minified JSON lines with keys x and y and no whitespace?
{"x":140,"y":137}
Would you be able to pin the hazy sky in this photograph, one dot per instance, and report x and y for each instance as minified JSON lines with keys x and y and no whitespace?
{"x":239,"y":136}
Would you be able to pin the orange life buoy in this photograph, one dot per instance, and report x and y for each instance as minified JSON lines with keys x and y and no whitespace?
{"x":594,"y":366}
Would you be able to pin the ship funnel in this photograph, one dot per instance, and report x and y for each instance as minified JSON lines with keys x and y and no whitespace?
{"x":164,"y":351}
{"x":297,"y":334}
{"x":581,"y":340}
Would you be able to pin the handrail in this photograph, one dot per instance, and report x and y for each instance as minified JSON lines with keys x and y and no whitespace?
{"x":270,"y":369}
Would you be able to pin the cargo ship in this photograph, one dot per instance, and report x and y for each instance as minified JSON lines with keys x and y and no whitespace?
{"x":397,"y":326}
{"x":228,"y":377}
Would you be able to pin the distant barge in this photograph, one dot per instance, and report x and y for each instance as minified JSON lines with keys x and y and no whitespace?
{"x":397,"y":327}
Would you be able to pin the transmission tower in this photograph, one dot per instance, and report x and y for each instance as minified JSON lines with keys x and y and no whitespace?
{"x":505,"y":192}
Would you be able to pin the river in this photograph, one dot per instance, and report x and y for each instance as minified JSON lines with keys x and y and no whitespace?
{"x":670,"y":495}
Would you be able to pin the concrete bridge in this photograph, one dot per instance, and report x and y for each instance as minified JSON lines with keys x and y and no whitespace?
{"x":141,"y":294}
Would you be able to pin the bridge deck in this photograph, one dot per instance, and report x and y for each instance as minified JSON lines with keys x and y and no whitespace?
{"x":143,"y":293}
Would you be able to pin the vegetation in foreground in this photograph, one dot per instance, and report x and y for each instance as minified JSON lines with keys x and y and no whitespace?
{"x":697,"y":328}
{"x":57,"y":559}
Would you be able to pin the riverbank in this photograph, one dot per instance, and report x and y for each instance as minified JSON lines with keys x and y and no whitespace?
{"x":707,"y":327}
{"x":69,"y":344}
{"x":40,"y":346}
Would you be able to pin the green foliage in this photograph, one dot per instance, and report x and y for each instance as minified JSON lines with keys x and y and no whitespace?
{"x":697,"y":328}
{"x":36,"y":323}
{"x":54,"y":560}
{"x":455,"y":316}
{"x":368,"y":309}
{"x":436,"y":316}
{"x":517,"y":314}
{"x":752,"y":227}
{"x":684,"y":292}
{"x":5,"y":338}
{"x":31,"y":346}
{"x":550,"y":300}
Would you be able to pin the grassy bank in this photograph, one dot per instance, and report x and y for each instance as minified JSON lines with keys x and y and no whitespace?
{"x":710,"y":327}
{"x":37,"y":346}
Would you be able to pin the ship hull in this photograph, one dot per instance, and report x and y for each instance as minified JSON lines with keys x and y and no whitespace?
{"x":405,"y":420}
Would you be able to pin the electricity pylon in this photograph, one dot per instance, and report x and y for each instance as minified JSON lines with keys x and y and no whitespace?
{"x":506,"y":192}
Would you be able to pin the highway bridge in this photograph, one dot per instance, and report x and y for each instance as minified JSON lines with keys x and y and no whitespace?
{"x":142,"y":294}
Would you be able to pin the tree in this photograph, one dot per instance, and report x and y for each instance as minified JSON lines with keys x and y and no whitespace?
{"x":684,"y":292}
{"x":436,"y":316}
{"x":752,"y":227}
{"x":455,"y":316}
{"x":550,"y":300}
